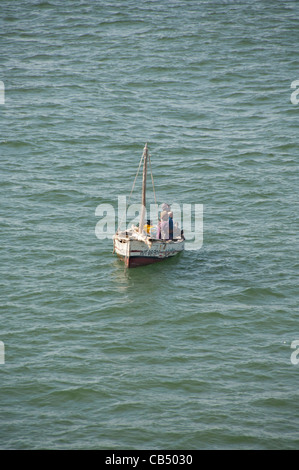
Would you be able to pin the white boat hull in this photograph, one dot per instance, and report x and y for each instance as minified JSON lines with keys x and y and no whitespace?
{"x":142,"y":252}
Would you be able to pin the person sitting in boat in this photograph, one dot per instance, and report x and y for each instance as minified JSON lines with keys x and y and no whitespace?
{"x":148,"y":226}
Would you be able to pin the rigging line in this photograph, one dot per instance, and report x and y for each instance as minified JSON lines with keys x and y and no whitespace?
{"x":130,"y":193}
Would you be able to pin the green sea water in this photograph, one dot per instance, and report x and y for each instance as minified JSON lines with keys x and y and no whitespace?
{"x":191,"y":353}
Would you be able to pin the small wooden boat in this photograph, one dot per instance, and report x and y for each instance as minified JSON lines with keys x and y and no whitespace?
{"x":135,"y":246}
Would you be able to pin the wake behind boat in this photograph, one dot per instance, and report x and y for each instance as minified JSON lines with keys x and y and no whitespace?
{"x":142,"y":245}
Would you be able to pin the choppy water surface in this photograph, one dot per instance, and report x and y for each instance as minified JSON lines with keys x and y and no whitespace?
{"x":193,"y":353}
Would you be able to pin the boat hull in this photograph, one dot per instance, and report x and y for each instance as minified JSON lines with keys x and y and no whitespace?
{"x":136,"y":253}
{"x":135,"y":261}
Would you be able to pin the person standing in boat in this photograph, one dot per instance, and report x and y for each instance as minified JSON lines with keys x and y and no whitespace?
{"x":163,"y":226}
{"x":170,"y":224}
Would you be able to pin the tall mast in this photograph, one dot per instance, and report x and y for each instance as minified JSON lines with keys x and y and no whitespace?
{"x":143,"y":201}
